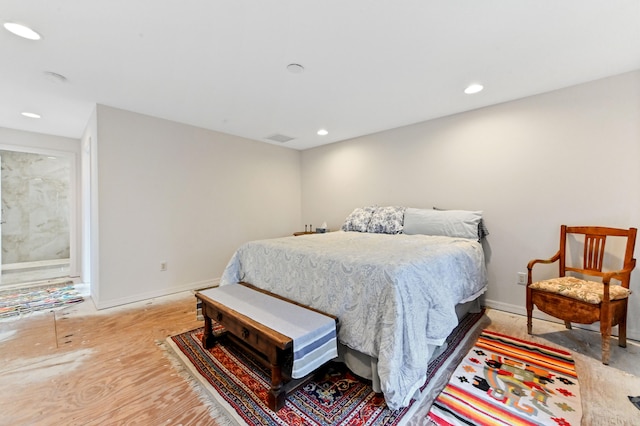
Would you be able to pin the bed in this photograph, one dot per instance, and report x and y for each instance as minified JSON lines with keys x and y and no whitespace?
{"x":397,"y":285}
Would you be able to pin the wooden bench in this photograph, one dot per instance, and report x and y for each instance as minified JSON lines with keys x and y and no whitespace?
{"x":270,"y":347}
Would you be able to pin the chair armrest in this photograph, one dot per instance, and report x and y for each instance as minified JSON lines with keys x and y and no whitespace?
{"x":550,"y":260}
{"x":618,"y":275}
{"x":534,"y":261}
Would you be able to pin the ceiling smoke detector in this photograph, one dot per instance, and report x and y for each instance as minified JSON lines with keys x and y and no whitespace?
{"x":295,"y":68}
{"x":55,"y":77}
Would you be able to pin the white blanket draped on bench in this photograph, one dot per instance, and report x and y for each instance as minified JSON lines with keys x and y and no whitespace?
{"x":313,"y":334}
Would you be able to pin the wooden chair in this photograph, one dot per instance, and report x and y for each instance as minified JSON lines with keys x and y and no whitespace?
{"x":576,"y":299}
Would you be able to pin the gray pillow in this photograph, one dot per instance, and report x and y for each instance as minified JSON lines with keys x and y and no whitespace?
{"x":449,"y":223}
{"x":482,"y":229}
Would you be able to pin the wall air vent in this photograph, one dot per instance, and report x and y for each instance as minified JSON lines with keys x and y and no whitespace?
{"x":279,"y":138}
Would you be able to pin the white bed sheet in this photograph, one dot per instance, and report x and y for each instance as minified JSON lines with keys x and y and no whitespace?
{"x":394,"y":295}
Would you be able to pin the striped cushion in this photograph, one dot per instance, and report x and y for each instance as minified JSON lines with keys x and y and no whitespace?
{"x":586,"y":291}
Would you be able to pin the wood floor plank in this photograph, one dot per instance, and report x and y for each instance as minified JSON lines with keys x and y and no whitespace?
{"x":98,"y":368}
{"x":33,"y":333}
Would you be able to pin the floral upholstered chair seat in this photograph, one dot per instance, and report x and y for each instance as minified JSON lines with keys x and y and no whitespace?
{"x":586,"y":291}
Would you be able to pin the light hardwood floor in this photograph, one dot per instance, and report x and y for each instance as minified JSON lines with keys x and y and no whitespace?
{"x":79,"y":366}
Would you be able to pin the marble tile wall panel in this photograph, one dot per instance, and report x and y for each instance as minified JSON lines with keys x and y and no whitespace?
{"x":35,"y":203}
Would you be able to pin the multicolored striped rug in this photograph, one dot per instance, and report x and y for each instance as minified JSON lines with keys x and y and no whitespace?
{"x":26,"y":300}
{"x":508,"y":381}
{"x":236,"y":386}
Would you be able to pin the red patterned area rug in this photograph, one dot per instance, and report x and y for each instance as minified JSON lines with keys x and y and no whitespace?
{"x":239,"y":385}
{"x":508,"y":381}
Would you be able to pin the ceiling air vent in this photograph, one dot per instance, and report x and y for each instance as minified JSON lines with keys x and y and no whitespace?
{"x":280,"y":138}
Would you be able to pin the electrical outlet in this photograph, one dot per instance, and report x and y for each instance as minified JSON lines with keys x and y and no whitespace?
{"x":522,"y":278}
{"x":163,"y":266}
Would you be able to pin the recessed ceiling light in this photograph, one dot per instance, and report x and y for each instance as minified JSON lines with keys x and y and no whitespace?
{"x":22,"y":31}
{"x":473,"y":88}
{"x":295,"y":68}
{"x":31,"y":114}
{"x":323,"y":132}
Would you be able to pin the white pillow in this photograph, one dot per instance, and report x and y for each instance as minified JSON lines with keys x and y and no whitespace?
{"x":448,"y":223}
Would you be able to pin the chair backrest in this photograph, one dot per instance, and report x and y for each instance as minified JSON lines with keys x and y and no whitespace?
{"x":595,"y":238}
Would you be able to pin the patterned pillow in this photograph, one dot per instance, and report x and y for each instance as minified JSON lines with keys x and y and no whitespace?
{"x":387,"y":220}
{"x":359,"y":219}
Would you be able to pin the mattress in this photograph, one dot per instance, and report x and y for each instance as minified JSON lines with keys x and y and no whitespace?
{"x":394,"y":295}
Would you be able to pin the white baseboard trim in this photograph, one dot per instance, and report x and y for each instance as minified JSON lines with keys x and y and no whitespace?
{"x":522,"y":310}
{"x":493,"y":304}
{"x":105,"y":304}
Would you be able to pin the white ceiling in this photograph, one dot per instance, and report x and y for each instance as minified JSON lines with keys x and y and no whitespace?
{"x":370,"y":65}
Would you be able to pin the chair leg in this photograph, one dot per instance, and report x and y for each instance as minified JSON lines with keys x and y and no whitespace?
{"x":567,"y":324}
{"x":529,"y":311}
{"x":622,"y":333}
{"x":606,"y":343}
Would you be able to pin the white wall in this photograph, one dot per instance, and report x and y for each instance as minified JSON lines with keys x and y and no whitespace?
{"x":571,"y":156}
{"x":169,"y":192}
{"x":36,"y":142}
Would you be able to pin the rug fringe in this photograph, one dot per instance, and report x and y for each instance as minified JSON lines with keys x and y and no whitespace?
{"x":428,"y":395}
{"x":414,"y":416}
{"x":216,"y":412}
{"x":455,"y":359}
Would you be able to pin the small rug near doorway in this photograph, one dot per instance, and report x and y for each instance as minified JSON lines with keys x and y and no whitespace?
{"x":236,"y":386}
{"x":23,"y":301}
{"x":508,"y":381}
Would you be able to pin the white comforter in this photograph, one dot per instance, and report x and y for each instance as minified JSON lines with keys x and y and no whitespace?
{"x":393,"y":294}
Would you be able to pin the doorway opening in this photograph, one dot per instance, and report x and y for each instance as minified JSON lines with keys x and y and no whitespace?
{"x":36,"y":221}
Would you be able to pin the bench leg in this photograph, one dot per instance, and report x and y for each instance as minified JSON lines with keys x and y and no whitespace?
{"x":208,"y":339}
{"x":277,"y":393}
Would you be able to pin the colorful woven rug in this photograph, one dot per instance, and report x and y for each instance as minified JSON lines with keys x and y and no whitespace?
{"x":23,"y":301}
{"x":507,"y":381}
{"x":239,"y":385}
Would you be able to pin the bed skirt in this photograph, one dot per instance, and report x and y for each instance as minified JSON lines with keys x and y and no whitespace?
{"x":365,"y":366}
